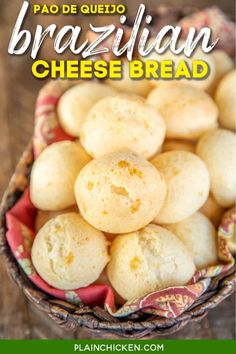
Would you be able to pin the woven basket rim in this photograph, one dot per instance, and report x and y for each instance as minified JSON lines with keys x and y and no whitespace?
{"x":97,"y":319}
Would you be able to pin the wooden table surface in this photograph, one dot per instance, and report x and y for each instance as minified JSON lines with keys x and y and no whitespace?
{"x":18,"y":89}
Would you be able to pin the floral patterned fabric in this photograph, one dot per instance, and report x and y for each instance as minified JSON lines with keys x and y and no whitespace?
{"x":170,"y":302}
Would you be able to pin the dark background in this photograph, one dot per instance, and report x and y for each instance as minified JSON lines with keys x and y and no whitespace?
{"x":18,"y":89}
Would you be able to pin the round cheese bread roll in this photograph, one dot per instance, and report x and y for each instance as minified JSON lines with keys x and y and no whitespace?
{"x":128,"y":85}
{"x":147,"y":260}
{"x":188,"y":112}
{"x":120,"y":122}
{"x":227,"y":229}
{"x":68,"y":253}
{"x":198,"y":54}
{"x":172,"y":144}
{"x":199,"y":236}
{"x":225,"y":99}
{"x":44,"y":216}
{"x":218,"y":150}
{"x":54,"y":173}
{"x":212,"y":210}
{"x":119,"y":192}
{"x":223,"y":64}
{"x":75,"y":103}
{"x":187,"y":182}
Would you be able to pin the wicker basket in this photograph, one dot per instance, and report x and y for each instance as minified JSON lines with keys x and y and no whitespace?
{"x":96,"y":320}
